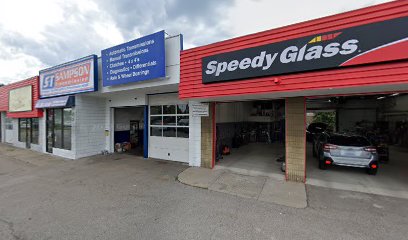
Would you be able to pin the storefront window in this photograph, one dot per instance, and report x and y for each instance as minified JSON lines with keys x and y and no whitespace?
{"x":60,"y":127}
{"x":169,"y":121}
{"x":67,"y":128}
{"x":28,"y":130}
{"x":35,"y":130}
{"x":9,"y":124}
{"x":22,"y":130}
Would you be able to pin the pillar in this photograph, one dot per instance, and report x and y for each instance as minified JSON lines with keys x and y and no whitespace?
{"x":295,"y":117}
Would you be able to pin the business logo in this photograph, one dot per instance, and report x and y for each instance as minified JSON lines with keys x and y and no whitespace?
{"x":265,"y":60}
{"x":326,"y":37}
{"x":74,"y":77}
{"x":376,"y":42}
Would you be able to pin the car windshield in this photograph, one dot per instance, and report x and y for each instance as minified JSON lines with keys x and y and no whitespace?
{"x":354,"y":141}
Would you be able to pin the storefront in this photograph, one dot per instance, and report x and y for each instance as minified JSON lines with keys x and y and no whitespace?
{"x":64,"y":99}
{"x":358,"y":52}
{"x":144,"y":115}
{"x":20,"y":120}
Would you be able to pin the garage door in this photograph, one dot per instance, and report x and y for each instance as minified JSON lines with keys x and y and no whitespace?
{"x":168,"y":128}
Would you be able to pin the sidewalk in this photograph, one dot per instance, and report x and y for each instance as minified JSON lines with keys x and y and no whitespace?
{"x":263,"y":189}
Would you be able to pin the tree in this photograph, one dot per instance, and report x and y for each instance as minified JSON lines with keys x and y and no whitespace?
{"x":326,"y":117}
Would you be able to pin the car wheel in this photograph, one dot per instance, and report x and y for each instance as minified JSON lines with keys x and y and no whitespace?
{"x":322,"y":166}
{"x":372,"y":171}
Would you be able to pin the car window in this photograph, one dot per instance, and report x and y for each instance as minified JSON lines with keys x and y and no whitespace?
{"x":354,"y":141}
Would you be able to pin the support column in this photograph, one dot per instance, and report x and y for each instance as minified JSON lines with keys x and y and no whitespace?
{"x":295,"y":117}
{"x":207,"y":138}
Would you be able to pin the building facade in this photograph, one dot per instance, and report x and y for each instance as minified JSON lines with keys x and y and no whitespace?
{"x":358,"y":52}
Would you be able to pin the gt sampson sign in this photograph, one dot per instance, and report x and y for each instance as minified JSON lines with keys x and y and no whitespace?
{"x":69,"y":78}
{"x":376,"y":42}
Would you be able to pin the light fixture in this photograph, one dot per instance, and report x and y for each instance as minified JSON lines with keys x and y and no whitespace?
{"x":379,"y":98}
{"x":395,"y":94}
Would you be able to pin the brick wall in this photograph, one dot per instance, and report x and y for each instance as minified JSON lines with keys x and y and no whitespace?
{"x":207,"y":139}
{"x":295,"y":139}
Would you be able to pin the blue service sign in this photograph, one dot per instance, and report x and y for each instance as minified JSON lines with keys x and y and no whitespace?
{"x":134,"y":61}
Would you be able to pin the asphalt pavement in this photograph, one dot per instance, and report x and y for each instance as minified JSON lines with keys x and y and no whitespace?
{"x":127,"y":197}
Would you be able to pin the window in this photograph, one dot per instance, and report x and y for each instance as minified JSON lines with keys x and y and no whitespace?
{"x":22,"y":130}
{"x":35,"y":130}
{"x":9,"y":124}
{"x":169,"y":121}
{"x":67,"y":128}
{"x":28,"y":130}
{"x":60,"y":127}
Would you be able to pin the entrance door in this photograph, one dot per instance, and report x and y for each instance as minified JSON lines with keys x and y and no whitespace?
{"x":28,"y":133}
{"x":25,"y":131}
{"x":50,"y":130}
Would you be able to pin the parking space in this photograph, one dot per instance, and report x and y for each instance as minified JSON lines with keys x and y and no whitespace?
{"x":359,"y":133}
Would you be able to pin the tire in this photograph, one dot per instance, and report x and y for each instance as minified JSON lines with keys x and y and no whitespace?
{"x":322,"y":166}
{"x":372,"y":171}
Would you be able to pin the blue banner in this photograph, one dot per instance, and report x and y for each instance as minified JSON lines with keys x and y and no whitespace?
{"x":134,"y":61}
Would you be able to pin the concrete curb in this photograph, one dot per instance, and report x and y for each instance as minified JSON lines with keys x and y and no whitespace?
{"x":260,"y":188}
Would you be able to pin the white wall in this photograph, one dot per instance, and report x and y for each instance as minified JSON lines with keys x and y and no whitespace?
{"x":11,"y":135}
{"x":194,"y":143}
{"x":89,"y":137}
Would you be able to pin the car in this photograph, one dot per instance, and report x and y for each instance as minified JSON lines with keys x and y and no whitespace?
{"x":315,"y":129}
{"x":345,"y":150}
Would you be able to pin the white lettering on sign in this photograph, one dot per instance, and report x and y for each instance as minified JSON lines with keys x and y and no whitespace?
{"x":290,"y":54}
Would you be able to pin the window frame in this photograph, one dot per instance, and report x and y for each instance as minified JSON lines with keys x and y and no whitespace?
{"x":163,"y":126}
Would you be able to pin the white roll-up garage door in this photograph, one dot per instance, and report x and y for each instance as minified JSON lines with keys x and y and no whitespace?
{"x":168,"y":128}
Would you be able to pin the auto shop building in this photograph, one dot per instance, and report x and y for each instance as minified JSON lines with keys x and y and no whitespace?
{"x":260,"y":88}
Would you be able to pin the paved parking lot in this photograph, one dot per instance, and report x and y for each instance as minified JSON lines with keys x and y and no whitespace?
{"x":126,"y":197}
{"x":391,"y":179}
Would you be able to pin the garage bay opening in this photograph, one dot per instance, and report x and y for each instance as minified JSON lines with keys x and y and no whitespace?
{"x":250,"y":137}
{"x":129,"y":129}
{"x":352,"y":138}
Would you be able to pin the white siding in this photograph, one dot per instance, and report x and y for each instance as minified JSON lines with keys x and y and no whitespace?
{"x":194,"y":140}
{"x":89,"y":134}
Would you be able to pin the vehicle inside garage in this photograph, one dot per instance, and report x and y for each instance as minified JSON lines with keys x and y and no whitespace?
{"x":250,"y":136}
{"x":129,"y":127}
{"x":349,"y":136}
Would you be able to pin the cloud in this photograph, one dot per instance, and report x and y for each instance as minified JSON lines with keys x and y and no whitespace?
{"x":46,"y":33}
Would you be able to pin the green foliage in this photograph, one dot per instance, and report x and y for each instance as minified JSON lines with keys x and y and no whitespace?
{"x":326,"y":117}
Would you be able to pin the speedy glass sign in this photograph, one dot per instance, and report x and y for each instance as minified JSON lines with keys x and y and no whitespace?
{"x":73,"y":77}
{"x":375,"y":42}
{"x":134,"y":61}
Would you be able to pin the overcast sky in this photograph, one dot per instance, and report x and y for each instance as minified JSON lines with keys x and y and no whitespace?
{"x":38,"y":34}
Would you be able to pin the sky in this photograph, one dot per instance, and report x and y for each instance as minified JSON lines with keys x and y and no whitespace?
{"x":35,"y":35}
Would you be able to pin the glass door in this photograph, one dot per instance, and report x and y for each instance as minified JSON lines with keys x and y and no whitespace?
{"x":50,"y":130}
{"x":28,"y":133}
